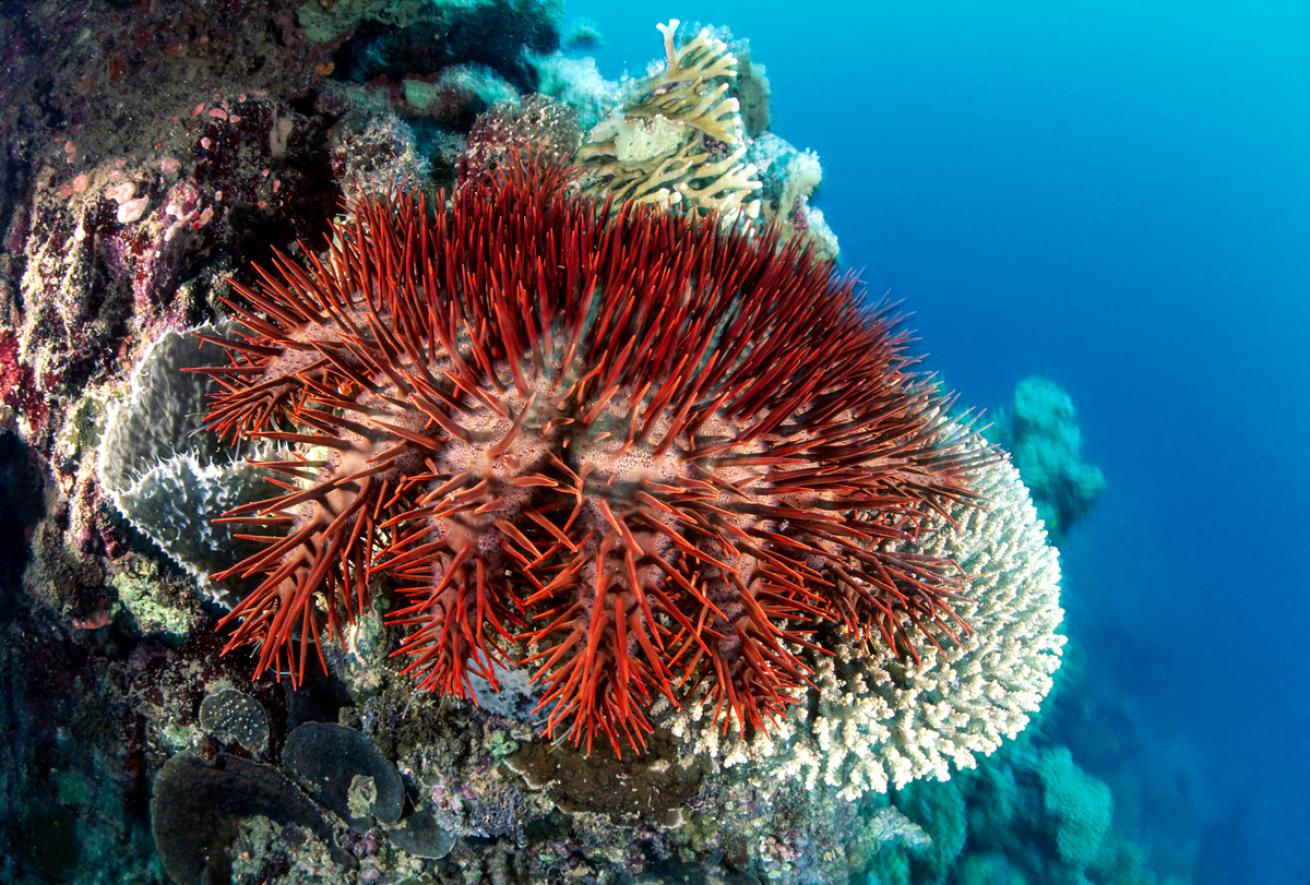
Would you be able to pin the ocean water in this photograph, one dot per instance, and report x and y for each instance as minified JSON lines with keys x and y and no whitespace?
{"x":1114,"y":195}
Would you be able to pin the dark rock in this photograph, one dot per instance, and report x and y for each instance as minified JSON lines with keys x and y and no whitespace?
{"x":317,"y":698}
{"x":20,"y":497}
{"x":45,"y":841}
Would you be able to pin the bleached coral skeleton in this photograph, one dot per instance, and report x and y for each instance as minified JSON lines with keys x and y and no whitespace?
{"x":881,"y":721}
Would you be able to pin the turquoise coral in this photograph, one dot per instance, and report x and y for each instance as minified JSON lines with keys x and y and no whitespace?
{"x":1080,"y":804}
{"x":1045,"y":442}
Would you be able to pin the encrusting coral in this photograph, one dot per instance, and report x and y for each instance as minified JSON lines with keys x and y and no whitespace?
{"x":658,"y":453}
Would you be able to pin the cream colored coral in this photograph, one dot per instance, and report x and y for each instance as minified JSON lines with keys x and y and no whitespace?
{"x":881,"y":721}
{"x":693,"y":87}
{"x":688,"y":176}
{"x":680,"y":139}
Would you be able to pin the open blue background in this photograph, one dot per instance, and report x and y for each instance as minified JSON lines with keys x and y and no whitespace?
{"x":1116,"y":195}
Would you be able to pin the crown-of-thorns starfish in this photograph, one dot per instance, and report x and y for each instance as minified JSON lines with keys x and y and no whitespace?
{"x":646,"y":453}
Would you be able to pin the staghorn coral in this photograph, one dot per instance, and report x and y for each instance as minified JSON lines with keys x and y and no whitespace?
{"x":680,"y":139}
{"x":878,"y":720}
{"x":657,"y":453}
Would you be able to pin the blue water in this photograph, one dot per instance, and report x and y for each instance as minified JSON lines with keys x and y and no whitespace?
{"x":1115,"y":195}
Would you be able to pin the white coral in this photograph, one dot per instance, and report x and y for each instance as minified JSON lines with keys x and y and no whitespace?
{"x":882,"y":721}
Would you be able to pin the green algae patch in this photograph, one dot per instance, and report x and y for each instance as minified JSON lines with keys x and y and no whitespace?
{"x":157,"y":604}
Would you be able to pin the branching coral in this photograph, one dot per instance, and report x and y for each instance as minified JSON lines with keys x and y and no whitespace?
{"x":878,"y":720}
{"x":658,"y":453}
{"x":680,"y":139}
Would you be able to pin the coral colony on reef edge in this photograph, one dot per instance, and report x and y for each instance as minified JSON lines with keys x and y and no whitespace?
{"x":655,"y":452}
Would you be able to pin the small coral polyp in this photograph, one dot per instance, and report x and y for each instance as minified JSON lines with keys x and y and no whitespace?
{"x":637,"y":452}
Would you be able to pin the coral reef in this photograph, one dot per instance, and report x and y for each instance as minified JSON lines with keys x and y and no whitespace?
{"x":1041,"y":432}
{"x":141,"y":182}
